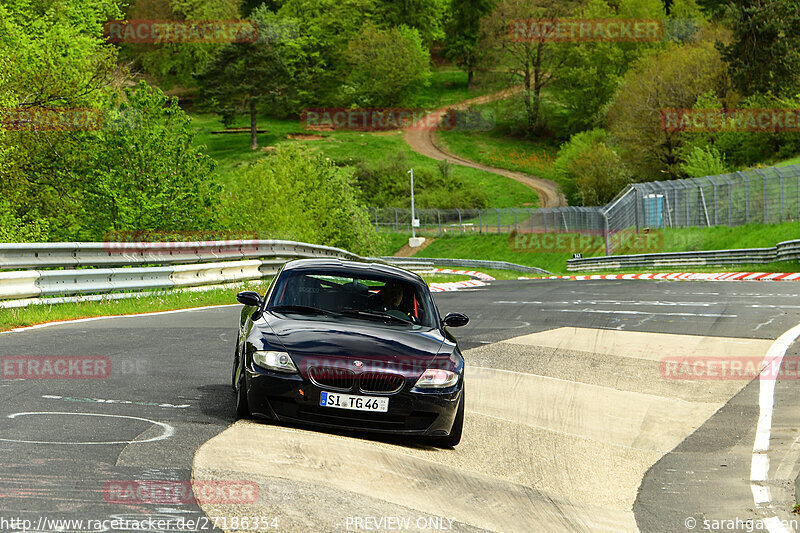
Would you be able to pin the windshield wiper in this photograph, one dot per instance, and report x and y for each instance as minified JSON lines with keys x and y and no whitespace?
{"x":300,"y":309}
{"x":375,"y":315}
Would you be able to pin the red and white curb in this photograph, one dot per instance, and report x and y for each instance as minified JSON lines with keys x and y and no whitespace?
{"x":480,"y":280}
{"x":691,"y":276}
{"x":471,"y":273}
{"x":456,"y":285}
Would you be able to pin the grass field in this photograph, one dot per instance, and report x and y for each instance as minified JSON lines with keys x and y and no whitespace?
{"x":501,"y":247}
{"x":233,"y":153}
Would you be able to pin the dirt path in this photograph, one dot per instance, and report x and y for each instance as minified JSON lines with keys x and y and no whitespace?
{"x":407,"y":251}
{"x":423,"y":141}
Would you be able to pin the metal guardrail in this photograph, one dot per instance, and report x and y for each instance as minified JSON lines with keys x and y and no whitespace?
{"x":114,"y":267}
{"x":421,"y":262}
{"x":98,"y":254}
{"x":784,"y":251}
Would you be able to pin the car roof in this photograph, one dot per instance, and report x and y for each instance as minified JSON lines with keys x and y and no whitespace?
{"x":361,"y":267}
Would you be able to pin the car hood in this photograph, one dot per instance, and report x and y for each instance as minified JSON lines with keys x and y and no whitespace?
{"x":313,"y":342}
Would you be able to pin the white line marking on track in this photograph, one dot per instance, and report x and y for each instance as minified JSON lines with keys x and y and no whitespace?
{"x":759,"y":465}
{"x":93,"y":318}
{"x":168,"y":430}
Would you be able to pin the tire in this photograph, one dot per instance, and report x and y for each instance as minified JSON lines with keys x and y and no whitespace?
{"x":235,"y":366}
{"x":242,"y":409}
{"x":454,"y":437}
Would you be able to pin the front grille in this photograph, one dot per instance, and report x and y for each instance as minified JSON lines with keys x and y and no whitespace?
{"x":333,"y":378}
{"x":380,"y":382}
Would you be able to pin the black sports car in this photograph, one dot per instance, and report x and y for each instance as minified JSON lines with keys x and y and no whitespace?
{"x":349,"y":344}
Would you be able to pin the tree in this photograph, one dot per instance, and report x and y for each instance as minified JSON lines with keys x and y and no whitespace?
{"x":253,"y":77}
{"x":462,"y":43}
{"x":591,"y":72}
{"x":300,"y":196}
{"x":764,"y":54}
{"x":673,"y":78}
{"x":425,"y":16}
{"x":143,"y":171}
{"x":386,"y":67}
{"x":324,"y":28}
{"x":532,"y":61}
{"x":173,"y":63}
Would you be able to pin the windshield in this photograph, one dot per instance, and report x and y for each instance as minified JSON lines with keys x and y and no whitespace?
{"x":337,"y":294}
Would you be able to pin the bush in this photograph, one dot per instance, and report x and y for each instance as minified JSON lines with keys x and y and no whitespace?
{"x":298,"y":196}
{"x":704,"y":162}
{"x":385,"y":67}
{"x":387,"y":184}
{"x":15,"y":227}
{"x":590,"y":171}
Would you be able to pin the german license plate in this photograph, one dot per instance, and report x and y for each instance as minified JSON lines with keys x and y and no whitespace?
{"x":356,"y":403}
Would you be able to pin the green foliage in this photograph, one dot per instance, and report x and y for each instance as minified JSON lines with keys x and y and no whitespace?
{"x":386,"y":67}
{"x":325,"y":27}
{"x":462,"y":45}
{"x":145,"y":174}
{"x":673,"y":78}
{"x":595,"y":171}
{"x":298,"y":196}
{"x":174,"y":63}
{"x":29,"y":228}
{"x":764,"y":54}
{"x":136,"y":171}
{"x":387,"y":184}
{"x":262,"y":76}
{"x":425,"y":16}
{"x":704,"y":162}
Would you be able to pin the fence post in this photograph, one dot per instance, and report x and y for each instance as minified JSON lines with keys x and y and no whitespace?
{"x":605,"y":233}
{"x":764,"y":193}
{"x":746,"y":197}
{"x":530,"y":218}
{"x":780,"y":176}
{"x":480,"y":221}
{"x":498,"y":220}
{"x":396,"y":219}
{"x":716,"y":207}
{"x":515,"y":218}
{"x":460,"y":224}
{"x":439,"y":218}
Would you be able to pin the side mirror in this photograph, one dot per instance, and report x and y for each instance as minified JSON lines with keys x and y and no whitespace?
{"x":455,"y":320}
{"x":250,"y":298}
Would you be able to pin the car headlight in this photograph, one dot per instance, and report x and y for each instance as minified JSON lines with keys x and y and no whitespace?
{"x":276,"y":361}
{"x":434,"y":378}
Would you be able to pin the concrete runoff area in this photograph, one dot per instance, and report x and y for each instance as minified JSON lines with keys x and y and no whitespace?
{"x":561,"y":427}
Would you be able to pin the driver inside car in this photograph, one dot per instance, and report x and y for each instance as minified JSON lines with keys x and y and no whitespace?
{"x":389,"y":299}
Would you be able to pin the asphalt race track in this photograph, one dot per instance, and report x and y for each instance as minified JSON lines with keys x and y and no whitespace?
{"x":571,"y":425}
